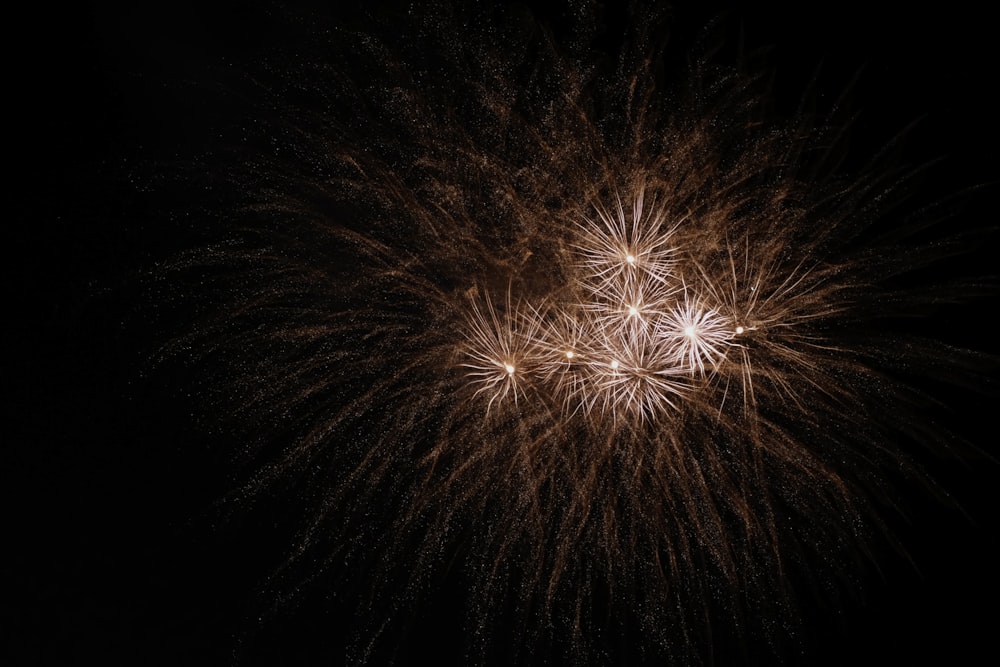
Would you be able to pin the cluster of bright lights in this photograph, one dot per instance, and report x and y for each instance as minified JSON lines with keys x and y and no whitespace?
{"x":633,"y":336}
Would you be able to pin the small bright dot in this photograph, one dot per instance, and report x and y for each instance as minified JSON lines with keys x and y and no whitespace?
{"x":632,"y":310}
{"x":689,"y":331}
{"x":510,"y":369}
{"x":739,"y":330}
{"x":614,"y":363}
{"x":630,"y":259}
{"x":569,"y":354}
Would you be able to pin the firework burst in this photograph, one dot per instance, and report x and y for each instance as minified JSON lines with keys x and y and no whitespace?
{"x":609,"y":345}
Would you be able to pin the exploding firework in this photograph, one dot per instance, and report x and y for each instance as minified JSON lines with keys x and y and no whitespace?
{"x":611,"y":347}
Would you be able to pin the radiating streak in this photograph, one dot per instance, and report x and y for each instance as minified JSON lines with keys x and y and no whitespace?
{"x":499,"y":349}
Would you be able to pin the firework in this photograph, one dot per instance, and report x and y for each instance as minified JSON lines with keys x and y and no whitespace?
{"x":607,"y":344}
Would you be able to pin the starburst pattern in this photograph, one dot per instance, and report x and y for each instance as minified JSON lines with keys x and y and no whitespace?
{"x":611,"y":347}
{"x":500,"y":350}
{"x":628,"y":346}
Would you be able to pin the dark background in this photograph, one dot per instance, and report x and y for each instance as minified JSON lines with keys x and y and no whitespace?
{"x":114,"y":549}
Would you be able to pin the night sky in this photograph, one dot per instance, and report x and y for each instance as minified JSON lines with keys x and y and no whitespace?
{"x":117,"y":550}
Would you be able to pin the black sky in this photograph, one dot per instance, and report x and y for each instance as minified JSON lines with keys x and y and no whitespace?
{"x":114,"y":552}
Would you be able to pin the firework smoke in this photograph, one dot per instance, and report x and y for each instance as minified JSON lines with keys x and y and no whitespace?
{"x":617,"y":349}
